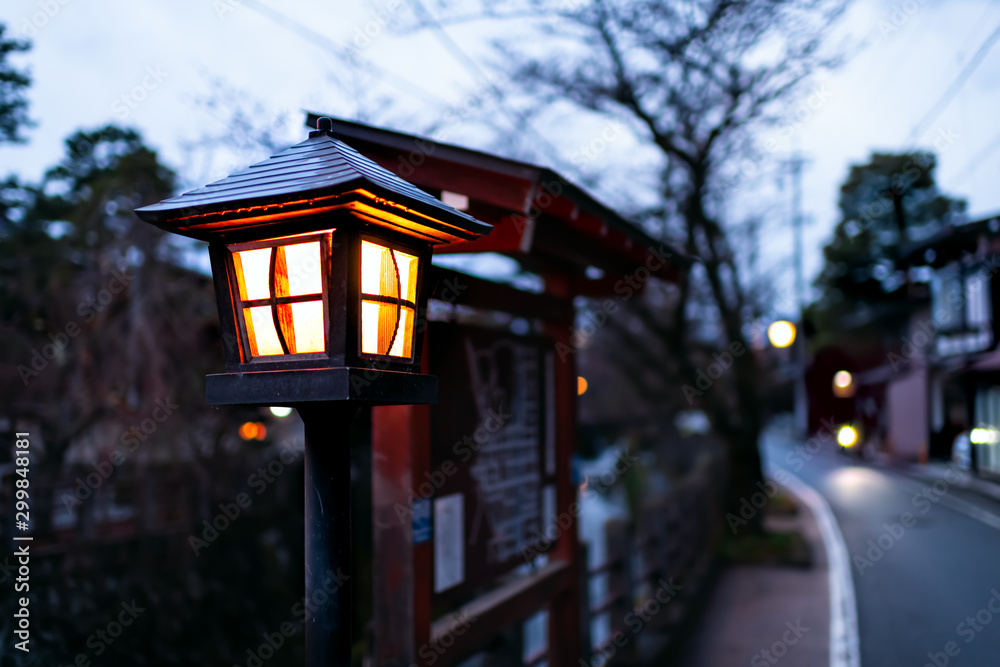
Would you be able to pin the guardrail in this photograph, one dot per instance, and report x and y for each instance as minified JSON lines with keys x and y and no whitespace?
{"x":655,"y":567}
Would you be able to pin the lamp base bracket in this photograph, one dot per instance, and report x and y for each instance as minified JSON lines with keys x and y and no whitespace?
{"x":293,"y":387}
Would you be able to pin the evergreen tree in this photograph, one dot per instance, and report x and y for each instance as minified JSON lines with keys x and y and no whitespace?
{"x":889,"y":202}
{"x":14,"y":83}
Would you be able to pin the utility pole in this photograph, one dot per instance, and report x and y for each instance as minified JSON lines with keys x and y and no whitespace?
{"x":753,"y":238}
{"x":795,"y":165}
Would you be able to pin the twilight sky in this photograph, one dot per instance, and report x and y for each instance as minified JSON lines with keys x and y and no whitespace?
{"x":149,"y":64}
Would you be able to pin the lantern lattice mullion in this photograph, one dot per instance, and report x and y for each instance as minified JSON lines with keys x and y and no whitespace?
{"x":298,"y":329}
{"x":278,"y":279}
{"x":388,"y":293}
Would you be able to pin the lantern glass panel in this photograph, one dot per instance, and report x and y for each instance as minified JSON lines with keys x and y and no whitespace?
{"x":252,"y":270}
{"x":388,"y":300}
{"x":309,"y":331}
{"x":274,"y":285}
{"x":261,"y":333}
{"x":305,"y":270}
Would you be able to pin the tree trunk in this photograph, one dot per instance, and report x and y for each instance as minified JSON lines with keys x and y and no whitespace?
{"x":746,"y":492}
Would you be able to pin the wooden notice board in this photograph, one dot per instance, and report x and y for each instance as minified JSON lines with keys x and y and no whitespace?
{"x":465,"y":491}
{"x":492,"y":458}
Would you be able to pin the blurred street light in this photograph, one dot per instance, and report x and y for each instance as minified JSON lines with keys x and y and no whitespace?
{"x":843,"y":384}
{"x":984,"y":436}
{"x":253,"y":431}
{"x":781,"y":333}
{"x":847,"y":436}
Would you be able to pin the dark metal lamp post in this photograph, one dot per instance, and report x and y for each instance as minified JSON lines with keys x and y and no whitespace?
{"x":318,"y":256}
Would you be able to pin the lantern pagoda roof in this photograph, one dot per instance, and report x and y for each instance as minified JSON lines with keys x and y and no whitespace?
{"x":318,"y":175}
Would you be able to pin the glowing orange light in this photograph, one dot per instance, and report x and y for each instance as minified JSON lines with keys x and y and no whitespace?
{"x":252,"y":268}
{"x":843,"y":384}
{"x":581,"y":385}
{"x":248,"y":431}
{"x":272,"y":282}
{"x":388,"y":300}
{"x":261,"y":431}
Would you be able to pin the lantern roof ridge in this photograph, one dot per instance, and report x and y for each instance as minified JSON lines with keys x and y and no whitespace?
{"x":321,"y":167}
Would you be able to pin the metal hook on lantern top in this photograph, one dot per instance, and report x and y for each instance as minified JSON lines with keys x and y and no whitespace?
{"x":324,"y":126}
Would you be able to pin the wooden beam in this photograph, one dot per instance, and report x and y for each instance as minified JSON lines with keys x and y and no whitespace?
{"x":465,"y":290}
{"x":477,"y":623}
{"x":508,"y":236}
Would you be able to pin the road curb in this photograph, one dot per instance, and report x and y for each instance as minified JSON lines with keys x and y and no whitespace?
{"x":844,"y":647}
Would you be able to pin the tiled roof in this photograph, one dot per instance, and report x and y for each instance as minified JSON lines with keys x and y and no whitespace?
{"x":322,"y":165}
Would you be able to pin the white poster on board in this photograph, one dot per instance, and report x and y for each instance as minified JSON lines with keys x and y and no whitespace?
{"x":449,"y":543}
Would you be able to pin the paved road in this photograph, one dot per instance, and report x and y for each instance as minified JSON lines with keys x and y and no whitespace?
{"x":926,"y":561}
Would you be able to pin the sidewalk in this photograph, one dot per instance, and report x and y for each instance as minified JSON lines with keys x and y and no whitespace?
{"x":762,"y":615}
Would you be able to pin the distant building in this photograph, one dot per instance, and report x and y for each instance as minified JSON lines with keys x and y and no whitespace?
{"x":956,"y":341}
{"x":933,"y":371}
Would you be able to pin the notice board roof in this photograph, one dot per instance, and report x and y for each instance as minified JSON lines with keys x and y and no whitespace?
{"x":538,"y":216}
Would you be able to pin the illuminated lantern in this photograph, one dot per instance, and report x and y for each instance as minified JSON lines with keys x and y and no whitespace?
{"x":318,"y":256}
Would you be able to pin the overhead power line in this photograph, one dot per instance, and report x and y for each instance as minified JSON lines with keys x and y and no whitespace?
{"x":332,"y":47}
{"x":949,"y":94}
{"x":517,"y":120}
{"x":980,"y":159}
{"x":453,"y":48}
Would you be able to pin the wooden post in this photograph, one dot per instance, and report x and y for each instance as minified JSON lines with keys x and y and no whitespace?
{"x":564,"y":610}
{"x":328,"y":634}
{"x":401,"y":601}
